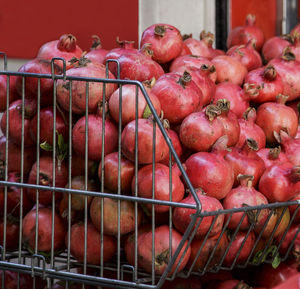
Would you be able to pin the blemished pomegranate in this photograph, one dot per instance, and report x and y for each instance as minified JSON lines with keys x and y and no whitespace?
{"x":13,"y":94}
{"x":275,"y":116}
{"x":165,"y":40}
{"x":210,"y":171}
{"x":96,"y":53}
{"x":15,"y":121}
{"x":110,"y":216}
{"x":245,"y":161}
{"x":229,"y":69}
{"x":245,"y":195}
{"x":280,"y":182}
{"x":162,"y":250}
{"x":94,"y":136}
{"x":200,"y":130}
{"x":235,"y":246}
{"x":179,"y":96}
{"x":250,"y":130}
{"x":182,"y":216}
{"x":46,"y":179}
{"x":263,"y":84}
{"x":145,"y":141}
{"x":81,"y":90}
{"x":128,"y":94}
{"x":239,"y":103}
{"x":242,"y":34}
{"x":44,"y":230}
{"x":162,"y":187}
{"x":93,"y":253}
{"x":111,"y":165}
{"x":246,"y":54}
{"x":66,"y":47}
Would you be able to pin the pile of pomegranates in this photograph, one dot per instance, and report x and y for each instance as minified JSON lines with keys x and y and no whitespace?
{"x":232,"y":118}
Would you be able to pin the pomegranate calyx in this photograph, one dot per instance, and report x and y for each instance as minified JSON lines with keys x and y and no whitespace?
{"x":250,"y":114}
{"x":270,"y":73}
{"x":250,"y":19}
{"x":146,"y":50}
{"x":295,"y":174}
{"x":223,"y":104}
{"x":274,"y":153}
{"x":207,"y":37}
{"x":67,"y":42}
{"x":44,"y":179}
{"x":252,"y":144}
{"x":96,"y":42}
{"x":277,"y":136}
{"x":242,"y":285}
{"x":81,"y":62}
{"x":252,"y":89}
{"x":288,"y":55}
{"x":150,"y":82}
{"x":245,"y":180}
{"x":288,"y":37}
{"x":212,"y":112}
{"x":159,"y":30}
{"x":162,"y":258}
{"x":187,"y":36}
{"x":281,"y":98}
{"x":185,"y":79}
{"x":127,"y":44}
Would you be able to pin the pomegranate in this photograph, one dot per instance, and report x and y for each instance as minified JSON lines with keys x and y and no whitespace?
{"x":263,"y":84}
{"x":295,"y":47}
{"x":230,"y":122}
{"x":272,"y":155}
{"x":232,"y":284}
{"x":15,"y":121}
{"x":289,"y":70}
{"x":41,"y":66}
{"x":111,"y":165}
{"x":81,"y":91}
{"x":13,"y":94}
{"x":193,"y":282}
{"x":94,"y":135}
{"x":280,"y":182}
{"x":128,"y":100}
{"x":14,"y":157}
{"x":179,"y":96}
{"x":46,"y":122}
{"x":290,"y":241}
{"x":244,"y":196}
{"x":110,"y":216}
{"x":274,"y":46}
{"x":66,"y":47}
{"x":12,"y":233}
{"x":185,"y":50}
{"x":44,"y":230}
{"x":229,"y":69}
{"x":239,"y":248}
{"x":93,"y":244}
{"x":233,"y":93}
{"x":295,"y":105}
{"x":15,"y":280}
{"x":182,"y":216}
{"x":200,"y":130}
{"x":78,"y":166}
{"x":246,"y":54}
{"x":242,"y":34}
{"x":145,"y":141}
{"x":162,"y":250}
{"x":188,"y":61}
{"x":96,"y":53}
{"x":201,"y":253}
{"x":165,"y":40}
{"x":291,"y":147}
{"x":164,"y":189}
{"x":250,"y":130}
{"x":245,"y":161}
{"x":46,"y":179}
{"x":276,"y":116}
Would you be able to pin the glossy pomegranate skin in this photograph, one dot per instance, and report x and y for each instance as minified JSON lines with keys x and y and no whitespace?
{"x":235,"y":94}
{"x":44,"y":230}
{"x":96,"y":53}
{"x":291,"y":147}
{"x":166,"y":41}
{"x":162,"y":186}
{"x":272,"y":155}
{"x":182,"y":216}
{"x":178,"y":96}
{"x":95,"y":123}
{"x":13,"y":94}
{"x":84,"y":68}
{"x":145,"y":142}
{"x":274,"y":47}
{"x":161,"y":241}
{"x":263,"y":84}
{"x":93,"y":253}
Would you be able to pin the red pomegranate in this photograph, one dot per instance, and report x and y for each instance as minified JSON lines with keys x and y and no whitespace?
{"x":13,"y":94}
{"x":182,"y":216}
{"x":165,"y":40}
{"x":96,"y":53}
{"x":66,"y":47}
{"x":84,"y":67}
{"x":163,"y":189}
{"x":94,"y":135}
{"x":293,"y":208}
{"x":242,"y":34}
{"x":290,"y":241}
{"x":272,"y":155}
{"x":12,"y":233}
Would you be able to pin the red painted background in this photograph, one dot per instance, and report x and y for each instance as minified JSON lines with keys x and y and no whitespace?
{"x":264,"y":10}
{"x":26,"y":25}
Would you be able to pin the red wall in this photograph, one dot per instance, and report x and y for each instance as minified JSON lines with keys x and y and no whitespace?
{"x":26,"y":25}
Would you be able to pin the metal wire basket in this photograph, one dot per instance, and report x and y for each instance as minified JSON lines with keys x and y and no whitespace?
{"x":118,"y":272}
